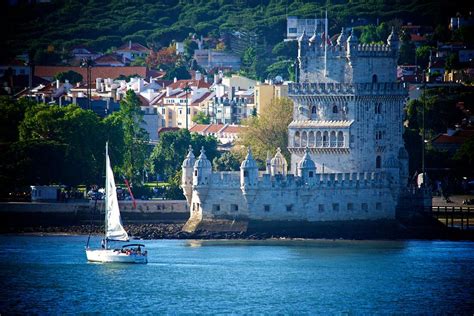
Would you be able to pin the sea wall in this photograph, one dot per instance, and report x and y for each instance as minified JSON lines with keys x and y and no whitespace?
{"x":73,"y":213}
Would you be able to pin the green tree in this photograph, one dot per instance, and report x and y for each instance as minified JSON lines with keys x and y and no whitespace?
{"x":79,"y":130}
{"x":452,"y":62}
{"x":464,"y":158}
{"x":135,"y":138}
{"x":172,"y":147}
{"x":226,"y":162}
{"x":201,"y":118}
{"x":423,"y":55}
{"x":72,"y":76}
{"x":268,"y":131}
{"x":12,"y":113}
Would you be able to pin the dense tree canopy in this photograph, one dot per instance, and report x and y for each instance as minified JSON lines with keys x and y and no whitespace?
{"x":135,"y":138}
{"x":267,"y":132}
{"x":172,"y":148}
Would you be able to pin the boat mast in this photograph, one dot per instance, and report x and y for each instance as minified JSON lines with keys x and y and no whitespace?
{"x":106,"y":199}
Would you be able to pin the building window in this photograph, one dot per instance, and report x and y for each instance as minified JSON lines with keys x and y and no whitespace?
{"x":297,"y":140}
{"x":311,"y":139}
{"x":292,"y":30}
{"x":234,"y":207}
{"x":313,"y":109}
{"x":378,"y":206}
{"x":195,"y":173}
{"x":378,"y":108}
{"x":304,"y":139}
{"x":289,"y":208}
{"x":266,"y":208}
{"x":365,"y":207}
{"x":325,"y":139}
{"x":216,"y":207}
{"x":311,"y":174}
{"x":340,"y":139}
{"x":378,"y":162}
{"x":350,"y":206}
{"x":333,"y":139}
{"x":374,"y":78}
{"x":319,"y":139}
{"x":246,"y":173}
{"x":321,"y":208}
{"x":335,"y":207}
{"x":334,"y":109}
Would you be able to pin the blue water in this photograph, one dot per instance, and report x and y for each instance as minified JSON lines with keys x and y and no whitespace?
{"x":50,"y":275}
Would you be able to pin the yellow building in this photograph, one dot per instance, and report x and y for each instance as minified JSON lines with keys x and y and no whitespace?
{"x":265,"y":93}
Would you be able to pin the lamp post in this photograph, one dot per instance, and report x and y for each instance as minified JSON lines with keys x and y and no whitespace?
{"x":187,"y":89}
{"x":88,"y":63}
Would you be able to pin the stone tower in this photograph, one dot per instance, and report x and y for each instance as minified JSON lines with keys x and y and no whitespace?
{"x":348,"y":107}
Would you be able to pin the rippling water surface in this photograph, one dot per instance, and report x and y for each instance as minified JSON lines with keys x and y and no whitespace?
{"x":45,"y":275}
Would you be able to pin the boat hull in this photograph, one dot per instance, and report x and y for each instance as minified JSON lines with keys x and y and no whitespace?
{"x":111,"y":255}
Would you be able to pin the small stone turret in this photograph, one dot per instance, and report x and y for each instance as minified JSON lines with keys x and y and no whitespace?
{"x":248,"y":171}
{"x":342,"y":38}
{"x":303,"y":45}
{"x":313,"y":41}
{"x":393,"y":41}
{"x":306,"y":167}
{"x":202,"y":170}
{"x":187,"y":174}
{"x":278,"y":164}
{"x":268,"y":164}
{"x":352,"y":43}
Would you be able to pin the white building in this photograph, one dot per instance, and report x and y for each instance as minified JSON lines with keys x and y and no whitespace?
{"x":348,"y":160}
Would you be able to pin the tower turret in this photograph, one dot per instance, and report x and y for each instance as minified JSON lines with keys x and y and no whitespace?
{"x":352,"y":43}
{"x":248,"y":171}
{"x":278,"y":164}
{"x":342,"y":38}
{"x":268,"y":163}
{"x":202,"y":169}
{"x":306,"y":167}
{"x":303,"y":45}
{"x":393,"y":41}
{"x":313,"y":40}
{"x":187,"y":174}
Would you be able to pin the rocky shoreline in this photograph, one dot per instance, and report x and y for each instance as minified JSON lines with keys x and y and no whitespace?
{"x":174,"y":231}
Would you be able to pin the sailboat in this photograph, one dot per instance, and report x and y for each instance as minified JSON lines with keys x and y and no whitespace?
{"x":114,"y":231}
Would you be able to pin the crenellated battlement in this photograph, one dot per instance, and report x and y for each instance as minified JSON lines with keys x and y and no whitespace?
{"x":329,"y":88}
{"x":320,"y":180}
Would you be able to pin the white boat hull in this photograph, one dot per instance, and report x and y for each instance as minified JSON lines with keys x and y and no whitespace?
{"x":111,"y":255}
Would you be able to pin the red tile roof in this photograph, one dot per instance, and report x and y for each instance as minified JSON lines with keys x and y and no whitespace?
{"x":96,"y":72}
{"x":417,"y":38}
{"x":181,"y":84}
{"x":459,"y":137}
{"x":198,"y":128}
{"x":111,"y":58}
{"x":233,"y":129}
{"x":135,"y":47}
{"x":214,"y":128}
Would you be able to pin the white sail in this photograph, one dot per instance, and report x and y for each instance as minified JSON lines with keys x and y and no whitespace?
{"x":113,"y":223}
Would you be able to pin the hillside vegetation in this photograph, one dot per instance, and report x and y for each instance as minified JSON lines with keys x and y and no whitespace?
{"x":101,"y":25}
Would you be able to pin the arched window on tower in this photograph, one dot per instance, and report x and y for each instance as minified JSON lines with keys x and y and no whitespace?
{"x":378,"y":108}
{"x":374,"y":78}
{"x":319,"y":139}
{"x":340,"y":139}
{"x":333,"y":139}
{"x":378,"y":162}
{"x":297,"y":141}
{"x":304,"y":139}
{"x":325,"y":139}
{"x":313,"y":109}
{"x":334,"y":109}
{"x":311,"y":139}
